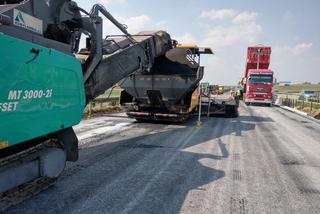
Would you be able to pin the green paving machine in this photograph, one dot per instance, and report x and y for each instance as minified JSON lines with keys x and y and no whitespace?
{"x":46,"y":81}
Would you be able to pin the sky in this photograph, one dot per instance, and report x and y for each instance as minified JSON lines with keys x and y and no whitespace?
{"x":290,"y":27}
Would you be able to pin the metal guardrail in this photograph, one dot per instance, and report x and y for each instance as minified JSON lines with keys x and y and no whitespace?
{"x":315,"y":99}
{"x":296,"y":103}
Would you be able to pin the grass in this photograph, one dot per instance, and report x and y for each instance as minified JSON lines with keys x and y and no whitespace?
{"x":227,"y":87}
{"x":107,"y":102}
{"x":292,"y":91}
{"x":314,"y":112}
{"x":110,"y":93}
{"x":297,"y":88}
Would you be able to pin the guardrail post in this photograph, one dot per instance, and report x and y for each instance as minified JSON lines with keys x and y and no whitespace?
{"x":290,"y":103}
{"x":293,"y":103}
{"x":311,"y":107}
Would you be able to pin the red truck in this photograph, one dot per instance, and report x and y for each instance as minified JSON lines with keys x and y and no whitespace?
{"x":258,"y":79}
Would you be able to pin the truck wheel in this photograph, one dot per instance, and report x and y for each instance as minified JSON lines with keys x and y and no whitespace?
{"x":247,"y":103}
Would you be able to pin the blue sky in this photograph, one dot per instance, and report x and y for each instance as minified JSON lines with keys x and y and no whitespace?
{"x":290,"y":26}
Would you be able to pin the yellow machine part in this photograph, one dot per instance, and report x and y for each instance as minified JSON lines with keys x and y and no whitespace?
{"x":191,"y":46}
{"x":220,"y":90}
{"x":194,"y":100}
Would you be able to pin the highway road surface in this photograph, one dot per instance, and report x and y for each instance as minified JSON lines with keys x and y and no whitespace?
{"x":265,"y":161}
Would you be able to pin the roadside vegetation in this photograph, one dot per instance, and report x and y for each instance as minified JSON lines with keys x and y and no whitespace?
{"x":289,"y":96}
{"x":297,"y":88}
{"x":311,"y":108}
{"x":105,"y":103}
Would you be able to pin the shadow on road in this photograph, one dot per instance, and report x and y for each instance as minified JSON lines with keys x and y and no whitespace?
{"x":147,"y":174}
{"x":172,"y":163}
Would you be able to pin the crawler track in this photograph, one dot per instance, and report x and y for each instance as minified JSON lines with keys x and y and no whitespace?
{"x":25,"y":191}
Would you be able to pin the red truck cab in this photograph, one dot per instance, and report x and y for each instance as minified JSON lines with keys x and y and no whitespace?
{"x":258,"y":80}
{"x":259,"y":86}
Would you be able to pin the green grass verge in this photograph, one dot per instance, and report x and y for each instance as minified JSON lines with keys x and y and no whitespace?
{"x":297,"y":88}
{"x":109,"y":101}
{"x":115,"y":93}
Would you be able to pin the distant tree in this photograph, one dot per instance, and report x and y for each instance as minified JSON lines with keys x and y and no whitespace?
{"x":307,"y":83}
